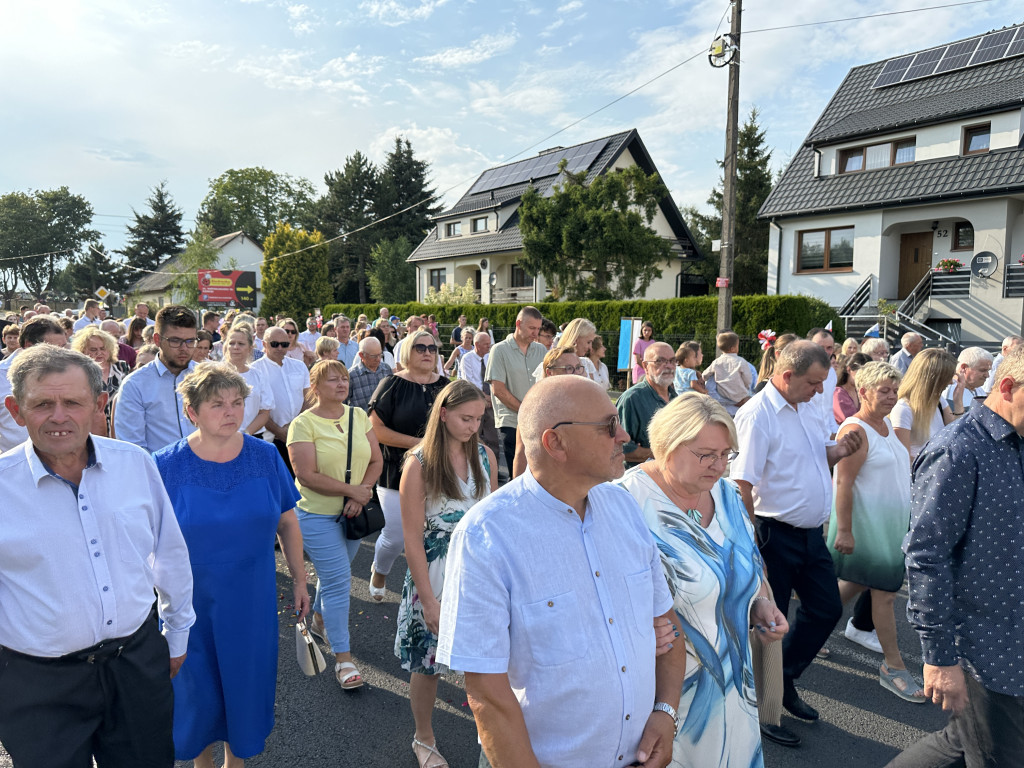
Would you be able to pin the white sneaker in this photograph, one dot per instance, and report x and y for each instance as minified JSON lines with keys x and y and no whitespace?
{"x":867,"y":640}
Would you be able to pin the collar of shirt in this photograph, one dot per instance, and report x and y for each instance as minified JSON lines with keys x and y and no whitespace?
{"x":41,"y":469}
{"x":776,"y":399}
{"x":998,"y":427}
{"x":550,"y":502}
{"x":161,"y":369}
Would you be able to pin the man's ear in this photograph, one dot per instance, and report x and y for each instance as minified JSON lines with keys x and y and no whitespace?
{"x":12,"y":408}
{"x":551,"y":441}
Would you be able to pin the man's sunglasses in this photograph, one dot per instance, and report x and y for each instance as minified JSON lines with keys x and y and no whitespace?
{"x":611,"y":424}
{"x":425,"y":349}
{"x":279,"y":344}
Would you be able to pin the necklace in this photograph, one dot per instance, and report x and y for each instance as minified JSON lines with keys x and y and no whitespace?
{"x":693,"y":513}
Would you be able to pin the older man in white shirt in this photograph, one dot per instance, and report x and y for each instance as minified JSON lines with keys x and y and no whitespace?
{"x":554,"y":610}
{"x":473,"y":368}
{"x":1010,"y":343}
{"x":783,"y":474}
{"x":87,"y":535}
{"x":289,"y":383}
{"x":974,"y":365}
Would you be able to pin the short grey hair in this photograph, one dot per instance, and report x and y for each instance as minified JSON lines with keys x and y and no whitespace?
{"x":871,"y":346}
{"x":1013,"y":340}
{"x":874,"y":374}
{"x":42,"y":360}
{"x":909,"y":338}
{"x":799,"y":356}
{"x":972,"y":357}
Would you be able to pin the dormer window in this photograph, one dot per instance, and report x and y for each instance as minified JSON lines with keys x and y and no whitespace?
{"x":872,"y":156}
{"x":478,"y":225}
{"x":453,"y":229}
{"x":977,"y":139}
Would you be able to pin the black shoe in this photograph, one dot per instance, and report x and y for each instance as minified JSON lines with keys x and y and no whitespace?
{"x":796,"y":707}
{"x":780,"y":735}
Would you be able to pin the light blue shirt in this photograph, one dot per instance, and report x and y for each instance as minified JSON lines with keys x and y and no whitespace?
{"x":347,"y":351}
{"x":79,"y":565}
{"x":149,"y":411}
{"x":566,"y":608}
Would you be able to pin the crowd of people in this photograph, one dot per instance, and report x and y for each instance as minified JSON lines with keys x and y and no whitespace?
{"x":611,"y":572}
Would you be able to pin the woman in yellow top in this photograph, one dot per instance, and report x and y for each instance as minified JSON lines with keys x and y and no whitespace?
{"x":318,"y":448}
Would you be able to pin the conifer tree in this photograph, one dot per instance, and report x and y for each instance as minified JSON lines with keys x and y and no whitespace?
{"x":156,"y":235}
{"x":294,"y":284}
{"x":346,"y":209}
{"x":392,"y":279}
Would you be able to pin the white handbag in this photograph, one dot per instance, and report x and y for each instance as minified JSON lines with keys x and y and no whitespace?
{"x":311,"y":661}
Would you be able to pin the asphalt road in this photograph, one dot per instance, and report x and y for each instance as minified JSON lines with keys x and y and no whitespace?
{"x":317,"y":724}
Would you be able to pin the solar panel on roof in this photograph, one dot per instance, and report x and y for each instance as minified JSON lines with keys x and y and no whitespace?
{"x":1017,"y":46}
{"x":958,"y":55}
{"x":993,"y":46}
{"x":893,"y":71}
{"x":577,"y":158}
{"x":924,"y":64}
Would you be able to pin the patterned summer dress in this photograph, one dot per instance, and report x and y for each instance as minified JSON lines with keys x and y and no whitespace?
{"x":416,"y":645}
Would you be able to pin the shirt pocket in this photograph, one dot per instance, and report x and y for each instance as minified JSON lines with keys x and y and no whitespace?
{"x":554,"y":630}
{"x":134,"y":536}
{"x":641,"y":597}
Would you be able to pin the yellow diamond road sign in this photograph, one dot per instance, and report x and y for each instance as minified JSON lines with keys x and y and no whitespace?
{"x":102,"y":292}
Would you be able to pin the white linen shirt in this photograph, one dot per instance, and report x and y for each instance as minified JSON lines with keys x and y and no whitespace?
{"x":80,"y":568}
{"x":11,"y":433}
{"x":287,"y":383}
{"x":469,"y":368}
{"x":782,"y":454}
{"x":84,"y":322}
{"x":566,"y":608}
{"x":822,"y":403}
{"x":260,"y":397}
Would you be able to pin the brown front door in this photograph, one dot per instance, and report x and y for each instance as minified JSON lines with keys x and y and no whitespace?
{"x":915,"y":260}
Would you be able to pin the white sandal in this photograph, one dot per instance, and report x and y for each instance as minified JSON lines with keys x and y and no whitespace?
{"x":347,"y":680}
{"x":377,"y":593}
{"x":431,"y":758}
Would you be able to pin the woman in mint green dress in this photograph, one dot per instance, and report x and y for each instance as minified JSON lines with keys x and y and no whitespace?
{"x":443,"y":477}
{"x":871,"y":515}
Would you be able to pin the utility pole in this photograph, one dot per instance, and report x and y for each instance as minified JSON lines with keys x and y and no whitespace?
{"x":728,"y":249}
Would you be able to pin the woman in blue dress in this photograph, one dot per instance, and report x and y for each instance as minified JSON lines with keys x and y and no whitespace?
{"x":715,"y":575}
{"x":231,"y":494}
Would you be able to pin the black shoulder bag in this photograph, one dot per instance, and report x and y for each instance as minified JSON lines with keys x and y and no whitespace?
{"x":371,"y":519}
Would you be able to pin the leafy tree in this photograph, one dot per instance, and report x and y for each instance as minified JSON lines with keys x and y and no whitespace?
{"x":155,"y":236}
{"x":254,"y":200}
{"x":595,"y":241}
{"x":198,"y":254}
{"x":451,"y":294}
{"x":348,"y":206}
{"x":392,"y":278}
{"x":753,"y":183}
{"x":40,"y":231}
{"x":81,"y":277}
{"x":295,"y":283}
{"x":404,"y":185}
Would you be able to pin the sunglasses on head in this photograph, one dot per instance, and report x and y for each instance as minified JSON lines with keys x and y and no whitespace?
{"x":279,"y":344}
{"x":425,"y":348}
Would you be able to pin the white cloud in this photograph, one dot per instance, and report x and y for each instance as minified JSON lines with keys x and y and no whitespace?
{"x":572,"y":5}
{"x":480,"y":50}
{"x":301,"y":19}
{"x":393,"y":13}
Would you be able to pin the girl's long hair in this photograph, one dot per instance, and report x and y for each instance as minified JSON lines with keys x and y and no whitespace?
{"x":439,"y":477}
{"x":928,"y":376}
{"x":770,"y":355}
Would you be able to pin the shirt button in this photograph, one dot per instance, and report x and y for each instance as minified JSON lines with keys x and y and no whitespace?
{"x":109,"y":622}
{"x":611,"y":621}
{"x":95,"y":554}
{"x":620,"y":757}
{"x":551,"y":604}
{"x":106,"y":589}
{"x":92,"y":541}
{"x":623,"y":669}
{"x":84,"y":508}
{"x":597,"y":573}
{"x":627,"y":717}
{"x":81,"y":495}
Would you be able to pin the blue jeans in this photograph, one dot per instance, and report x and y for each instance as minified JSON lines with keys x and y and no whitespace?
{"x":331,"y":552}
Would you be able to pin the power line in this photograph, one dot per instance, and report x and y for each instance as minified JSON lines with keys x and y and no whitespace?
{"x":868,"y":16}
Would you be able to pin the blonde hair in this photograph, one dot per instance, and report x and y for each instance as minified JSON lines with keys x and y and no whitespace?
{"x":679,"y":423}
{"x":206,"y":380}
{"x":439,"y":477}
{"x":874,"y":374}
{"x":410,"y":342}
{"x":82,"y":337}
{"x":325,"y":345}
{"x":771,"y":355}
{"x":576,"y":328}
{"x":318,"y":374}
{"x":555,"y":354}
{"x":850,"y":347}
{"x":924,"y":382}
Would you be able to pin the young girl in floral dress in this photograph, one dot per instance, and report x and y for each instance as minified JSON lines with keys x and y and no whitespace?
{"x":443,"y":477}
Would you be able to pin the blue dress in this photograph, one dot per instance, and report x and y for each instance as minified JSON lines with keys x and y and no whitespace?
{"x":228,"y":513}
{"x":713,"y":575}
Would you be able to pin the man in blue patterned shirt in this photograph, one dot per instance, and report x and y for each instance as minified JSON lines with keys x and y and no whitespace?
{"x":965,"y":563}
{"x":367,"y":373}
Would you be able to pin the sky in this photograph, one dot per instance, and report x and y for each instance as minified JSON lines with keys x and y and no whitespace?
{"x":110,"y":97}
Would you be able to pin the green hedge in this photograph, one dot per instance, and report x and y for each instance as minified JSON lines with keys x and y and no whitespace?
{"x":689,"y":317}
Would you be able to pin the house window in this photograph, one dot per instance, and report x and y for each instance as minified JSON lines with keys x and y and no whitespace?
{"x":477,"y":280}
{"x":520,"y":279}
{"x":963,"y":236}
{"x":436,"y":278}
{"x":873,"y":156}
{"x":453,"y":229}
{"x":977,"y":138}
{"x":824,"y":250}
{"x":478,"y":225}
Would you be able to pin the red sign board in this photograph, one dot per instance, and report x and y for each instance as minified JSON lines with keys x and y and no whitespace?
{"x":227,"y":289}
{"x":721,"y":282}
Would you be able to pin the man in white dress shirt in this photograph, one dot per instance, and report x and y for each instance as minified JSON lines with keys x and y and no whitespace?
{"x":87,"y":534}
{"x":289,"y":381}
{"x":552,"y":586}
{"x":1010,"y":343}
{"x":974,"y":364}
{"x":783,"y":474}
{"x":90,"y":315}
{"x":823,"y":401}
{"x":309,"y":337}
{"x":473,"y":368}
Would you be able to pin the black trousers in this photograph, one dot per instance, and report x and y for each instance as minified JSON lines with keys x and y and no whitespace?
{"x":282,"y":448}
{"x":862,"y":612}
{"x":508,"y":445}
{"x":989,"y":733}
{"x":797,"y":559}
{"x":60,"y":713}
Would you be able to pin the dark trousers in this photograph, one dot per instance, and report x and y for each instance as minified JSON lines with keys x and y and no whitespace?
{"x":797,"y":558}
{"x":862,"y":612}
{"x":59,"y":713}
{"x":508,"y":445}
{"x":489,"y":433}
{"x":282,"y":448}
{"x":989,"y":733}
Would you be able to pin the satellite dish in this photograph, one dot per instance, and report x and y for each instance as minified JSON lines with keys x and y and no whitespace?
{"x":722,"y":51}
{"x":984,"y":264}
{"x":493,"y":279}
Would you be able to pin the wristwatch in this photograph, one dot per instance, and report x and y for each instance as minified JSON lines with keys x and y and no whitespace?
{"x":669,"y":710}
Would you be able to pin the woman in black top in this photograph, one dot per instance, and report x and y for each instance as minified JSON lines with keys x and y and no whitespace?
{"x":398,"y":411}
